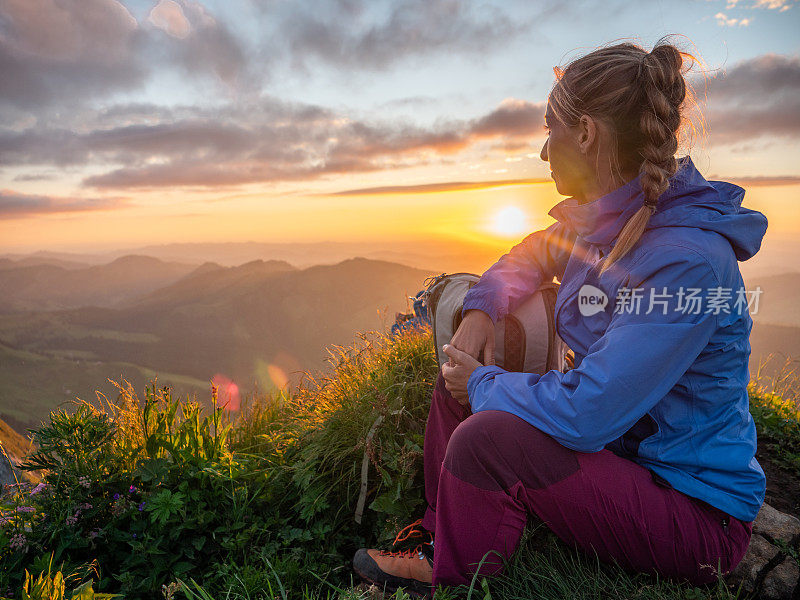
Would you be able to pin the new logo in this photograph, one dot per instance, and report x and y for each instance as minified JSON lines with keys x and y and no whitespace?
{"x":591,"y":300}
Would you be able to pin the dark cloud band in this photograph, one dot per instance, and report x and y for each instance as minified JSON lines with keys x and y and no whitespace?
{"x":16,"y":205}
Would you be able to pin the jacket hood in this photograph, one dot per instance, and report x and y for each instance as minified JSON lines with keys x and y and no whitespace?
{"x":690,"y":201}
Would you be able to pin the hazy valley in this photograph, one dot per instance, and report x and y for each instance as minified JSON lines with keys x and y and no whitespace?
{"x":67,"y":325}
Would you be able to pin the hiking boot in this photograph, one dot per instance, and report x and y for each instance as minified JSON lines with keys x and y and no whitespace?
{"x":411,"y":570}
{"x":412,"y":536}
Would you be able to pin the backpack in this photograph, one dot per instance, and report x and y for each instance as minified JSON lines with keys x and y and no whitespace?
{"x":525,"y":340}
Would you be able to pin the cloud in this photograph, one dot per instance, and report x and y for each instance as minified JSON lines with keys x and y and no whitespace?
{"x":263,"y":141}
{"x":17,"y":205}
{"x":516,"y":118}
{"x":59,"y":53}
{"x":199,"y":43}
{"x":429,"y":188}
{"x":168,"y":16}
{"x":760,"y":181}
{"x":724,"y":21}
{"x":756,"y":98}
{"x":36,"y":177}
{"x":779,"y":5}
{"x":51,"y":50}
{"x":373,"y":35}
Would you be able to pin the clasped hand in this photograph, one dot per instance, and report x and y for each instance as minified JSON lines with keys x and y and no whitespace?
{"x":475,"y":334}
{"x":456,"y":372}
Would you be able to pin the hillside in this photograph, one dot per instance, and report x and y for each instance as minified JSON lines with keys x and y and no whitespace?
{"x":262,"y":504}
{"x":31,"y":384}
{"x":259,"y":324}
{"x":13,"y":448}
{"x":34,"y":260}
{"x":211,"y":281}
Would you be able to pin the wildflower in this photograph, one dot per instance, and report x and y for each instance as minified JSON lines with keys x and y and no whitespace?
{"x":94,"y":533}
{"x":25,"y":509}
{"x":85,"y":506}
{"x":85,"y":481}
{"x":5,"y":520}
{"x":141,"y":507}
{"x":38,"y":488}
{"x":134,"y":536}
{"x":73,"y":519}
{"x":116,"y":497}
{"x":168,"y":591}
{"x":19,"y":542}
{"x":132,"y":489}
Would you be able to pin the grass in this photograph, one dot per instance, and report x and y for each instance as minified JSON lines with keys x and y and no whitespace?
{"x":775,"y":408}
{"x":33,"y":384}
{"x":262,"y":505}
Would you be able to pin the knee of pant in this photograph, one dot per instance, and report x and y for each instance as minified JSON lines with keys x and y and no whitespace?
{"x":473,"y":452}
{"x":478,"y":432}
{"x":494,"y":449}
{"x":496,"y":431}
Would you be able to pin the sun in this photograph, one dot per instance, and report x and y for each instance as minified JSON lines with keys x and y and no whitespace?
{"x":509,"y":221}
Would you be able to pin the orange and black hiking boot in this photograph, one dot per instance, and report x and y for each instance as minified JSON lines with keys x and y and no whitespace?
{"x":408,"y":569}
{"x":408,"y":565}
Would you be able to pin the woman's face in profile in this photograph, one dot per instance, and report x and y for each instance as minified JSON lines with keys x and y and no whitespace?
{"x":568,"y":166}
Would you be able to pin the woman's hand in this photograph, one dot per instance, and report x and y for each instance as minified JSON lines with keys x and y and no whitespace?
{"x":456,"y":372}
{"x":476,"y":333}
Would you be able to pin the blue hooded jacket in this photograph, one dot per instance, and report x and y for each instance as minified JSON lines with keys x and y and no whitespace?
{"x":661,"y":365}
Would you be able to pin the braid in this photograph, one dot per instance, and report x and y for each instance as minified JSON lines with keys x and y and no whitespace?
{"x":664,"y":90}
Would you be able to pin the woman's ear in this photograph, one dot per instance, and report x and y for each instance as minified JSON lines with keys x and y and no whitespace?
{"x":587,"y":133}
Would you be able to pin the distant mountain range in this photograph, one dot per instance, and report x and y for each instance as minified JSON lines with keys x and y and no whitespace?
{"x":59,"y":284}
{"x":445,"y":254}
{"x":67,"y":326}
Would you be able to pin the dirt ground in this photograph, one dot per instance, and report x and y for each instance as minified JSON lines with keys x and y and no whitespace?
{"x":783,"y":486}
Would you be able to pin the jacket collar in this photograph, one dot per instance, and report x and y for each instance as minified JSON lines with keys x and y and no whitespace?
{"x":600,"y":221}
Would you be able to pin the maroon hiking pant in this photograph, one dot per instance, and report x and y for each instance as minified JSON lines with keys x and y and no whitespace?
{"x":485,"y":472}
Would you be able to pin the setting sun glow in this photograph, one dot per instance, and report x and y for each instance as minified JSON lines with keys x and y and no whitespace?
{"x":509,"y":221}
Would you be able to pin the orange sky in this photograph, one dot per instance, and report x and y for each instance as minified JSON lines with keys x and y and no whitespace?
{"x":460,"y":214}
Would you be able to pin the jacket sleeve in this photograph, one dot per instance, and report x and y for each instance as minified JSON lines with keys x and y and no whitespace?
{"x":521,"y":271}
{"x":625,"y":373}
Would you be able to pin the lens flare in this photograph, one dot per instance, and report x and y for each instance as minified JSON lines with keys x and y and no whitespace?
{"x":227,"y":392}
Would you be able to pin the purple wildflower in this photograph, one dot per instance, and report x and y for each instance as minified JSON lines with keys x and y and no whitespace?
{"x":141,"y":507}
{"x":38,"y":488}
{"x":85,"y":481}
{"x":19,"y":542}
{"x":132,"y":489}
{"x":116,"y":497}
{"x":25,"y":509}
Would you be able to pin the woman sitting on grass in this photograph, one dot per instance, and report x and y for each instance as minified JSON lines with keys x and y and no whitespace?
{"x":644,"y":452}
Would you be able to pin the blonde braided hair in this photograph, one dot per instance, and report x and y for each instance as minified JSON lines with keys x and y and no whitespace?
{"x":640,"y":97}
